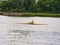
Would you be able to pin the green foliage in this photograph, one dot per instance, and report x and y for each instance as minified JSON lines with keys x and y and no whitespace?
{"x":50,"y":6}
{"x":1,"y":13}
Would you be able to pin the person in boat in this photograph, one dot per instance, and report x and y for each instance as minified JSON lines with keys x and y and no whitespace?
{"x":31,"y":22}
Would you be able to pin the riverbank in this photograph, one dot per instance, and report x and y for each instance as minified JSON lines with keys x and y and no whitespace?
{"x":20,"y":14}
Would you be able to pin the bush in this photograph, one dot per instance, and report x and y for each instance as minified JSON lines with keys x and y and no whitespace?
{"x":1,"y":13}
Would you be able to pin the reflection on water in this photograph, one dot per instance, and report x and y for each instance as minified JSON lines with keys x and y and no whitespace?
{"x":12,"y":33}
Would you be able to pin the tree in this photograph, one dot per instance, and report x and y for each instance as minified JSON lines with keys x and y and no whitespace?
{"x":56,"y":6}
{"x":49,"y":5}
{"x":29,"y":5}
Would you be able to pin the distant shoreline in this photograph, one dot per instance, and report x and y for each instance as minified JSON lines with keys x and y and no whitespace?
{"x":23,"y":14}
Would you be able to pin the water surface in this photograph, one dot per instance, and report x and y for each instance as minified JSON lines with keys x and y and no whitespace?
{"x":14,"y":33}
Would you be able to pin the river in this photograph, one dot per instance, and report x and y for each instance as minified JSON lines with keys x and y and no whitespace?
{"x":12,"y":32}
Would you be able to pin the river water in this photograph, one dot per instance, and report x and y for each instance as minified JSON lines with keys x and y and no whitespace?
{"x":12,"y":32}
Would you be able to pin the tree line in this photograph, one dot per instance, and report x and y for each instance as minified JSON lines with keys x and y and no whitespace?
{"x":50,"y":6}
